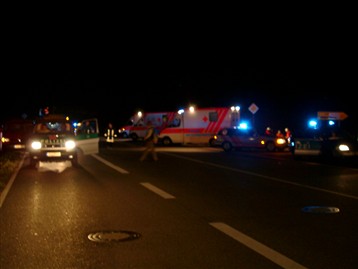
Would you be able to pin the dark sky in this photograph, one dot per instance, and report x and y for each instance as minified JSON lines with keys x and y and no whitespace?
{"x":285,"y":95}
{"x":89,"y":70}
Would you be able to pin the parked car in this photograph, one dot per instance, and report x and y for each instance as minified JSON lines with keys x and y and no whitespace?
{"x":236,"y":139}
{"x":328,"y":143}
{"x":15,"y":133}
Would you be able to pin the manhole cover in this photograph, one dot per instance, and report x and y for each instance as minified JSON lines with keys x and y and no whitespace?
{"x":113,"y":236}
{"x":321,"y":209}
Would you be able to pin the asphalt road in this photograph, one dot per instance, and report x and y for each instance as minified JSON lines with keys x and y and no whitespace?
{"x":196,"y":207}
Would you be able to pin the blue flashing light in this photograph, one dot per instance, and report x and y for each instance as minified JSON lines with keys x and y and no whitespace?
{"x":331,"y":123}
{"x":243,"y":125}
{"x":312,"y":124}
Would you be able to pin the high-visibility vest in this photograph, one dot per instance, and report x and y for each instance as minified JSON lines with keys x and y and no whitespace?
{"x":110,"y":135}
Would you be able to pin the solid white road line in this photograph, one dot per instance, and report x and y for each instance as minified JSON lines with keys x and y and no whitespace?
{"x":9,"y":184}
{"x":265,"y":251}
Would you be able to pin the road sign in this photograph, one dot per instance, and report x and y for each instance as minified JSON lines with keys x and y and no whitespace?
{"x":328,"y":115}
{"x":253,"y":108}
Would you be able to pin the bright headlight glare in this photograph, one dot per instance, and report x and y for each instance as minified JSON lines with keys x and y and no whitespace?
{"x":70,"y":144}
{"x":281,"y":141}
{"x":36,"y":144}
{"x":343,"y":147}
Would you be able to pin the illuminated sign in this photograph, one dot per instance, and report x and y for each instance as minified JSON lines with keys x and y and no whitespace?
{"x":328,"y":115}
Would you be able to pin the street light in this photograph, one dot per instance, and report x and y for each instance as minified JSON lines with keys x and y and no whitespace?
{"x":235,"y":115}
{"x":181,"y":113}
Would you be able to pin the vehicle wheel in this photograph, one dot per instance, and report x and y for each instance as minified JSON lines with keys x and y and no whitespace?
{"x":227,"y":146}
{"x":211,"y":142}
{"x":166,"y":141}
{"x":270,"y":146}
{"x":74,"y":161}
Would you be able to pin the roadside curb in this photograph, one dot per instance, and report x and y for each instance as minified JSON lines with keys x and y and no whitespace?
{"x":12,"y":179}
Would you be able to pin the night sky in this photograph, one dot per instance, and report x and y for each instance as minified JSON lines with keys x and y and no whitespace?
{"x":286,"y":96}
{"x":85,"y":72}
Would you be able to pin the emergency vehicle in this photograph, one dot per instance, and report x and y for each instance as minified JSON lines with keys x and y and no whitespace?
{"x":198,"y":126}
{"x":54,"y":139}
{"x":326,"y":138}
{"x":137,"y":126}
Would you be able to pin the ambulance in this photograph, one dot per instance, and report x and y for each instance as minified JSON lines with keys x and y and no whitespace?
{"x":137,"y":126}
{"x":198,"y":125}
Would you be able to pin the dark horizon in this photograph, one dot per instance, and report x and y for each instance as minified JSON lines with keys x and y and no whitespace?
{"x":286,"y":95}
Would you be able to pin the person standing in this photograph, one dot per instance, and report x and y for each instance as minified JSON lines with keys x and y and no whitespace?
{"x":150,"y":140}
{"x":110,"y":135}
{"x":288,"y":135}
{"x":268,"y":131}
{"x":88,"y":129}
{"x":279,"y":134}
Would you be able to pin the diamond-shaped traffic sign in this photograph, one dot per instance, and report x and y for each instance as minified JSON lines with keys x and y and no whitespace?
{"x":253,"y":108}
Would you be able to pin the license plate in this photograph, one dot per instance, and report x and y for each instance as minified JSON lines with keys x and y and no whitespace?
{"x":53,"y":154}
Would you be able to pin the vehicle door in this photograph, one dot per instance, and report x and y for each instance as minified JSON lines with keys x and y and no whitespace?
{"x":248,"y":139}
{"x":87,"y":136}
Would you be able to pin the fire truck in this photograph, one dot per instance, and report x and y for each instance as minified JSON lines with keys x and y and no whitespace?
{"x":137,"y":126}
{"x":198,"y":125}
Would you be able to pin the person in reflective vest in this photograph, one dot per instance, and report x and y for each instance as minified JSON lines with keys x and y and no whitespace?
{"x":110,"y":135}
{"x":88,"y":129}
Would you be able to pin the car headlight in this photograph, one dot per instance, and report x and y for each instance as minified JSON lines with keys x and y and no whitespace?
{"x":280,"y":141}
{"x":5,"y":140}
{"x":70,"y":144}
{"x":36,"y":145}
{"x":343,"y":147}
